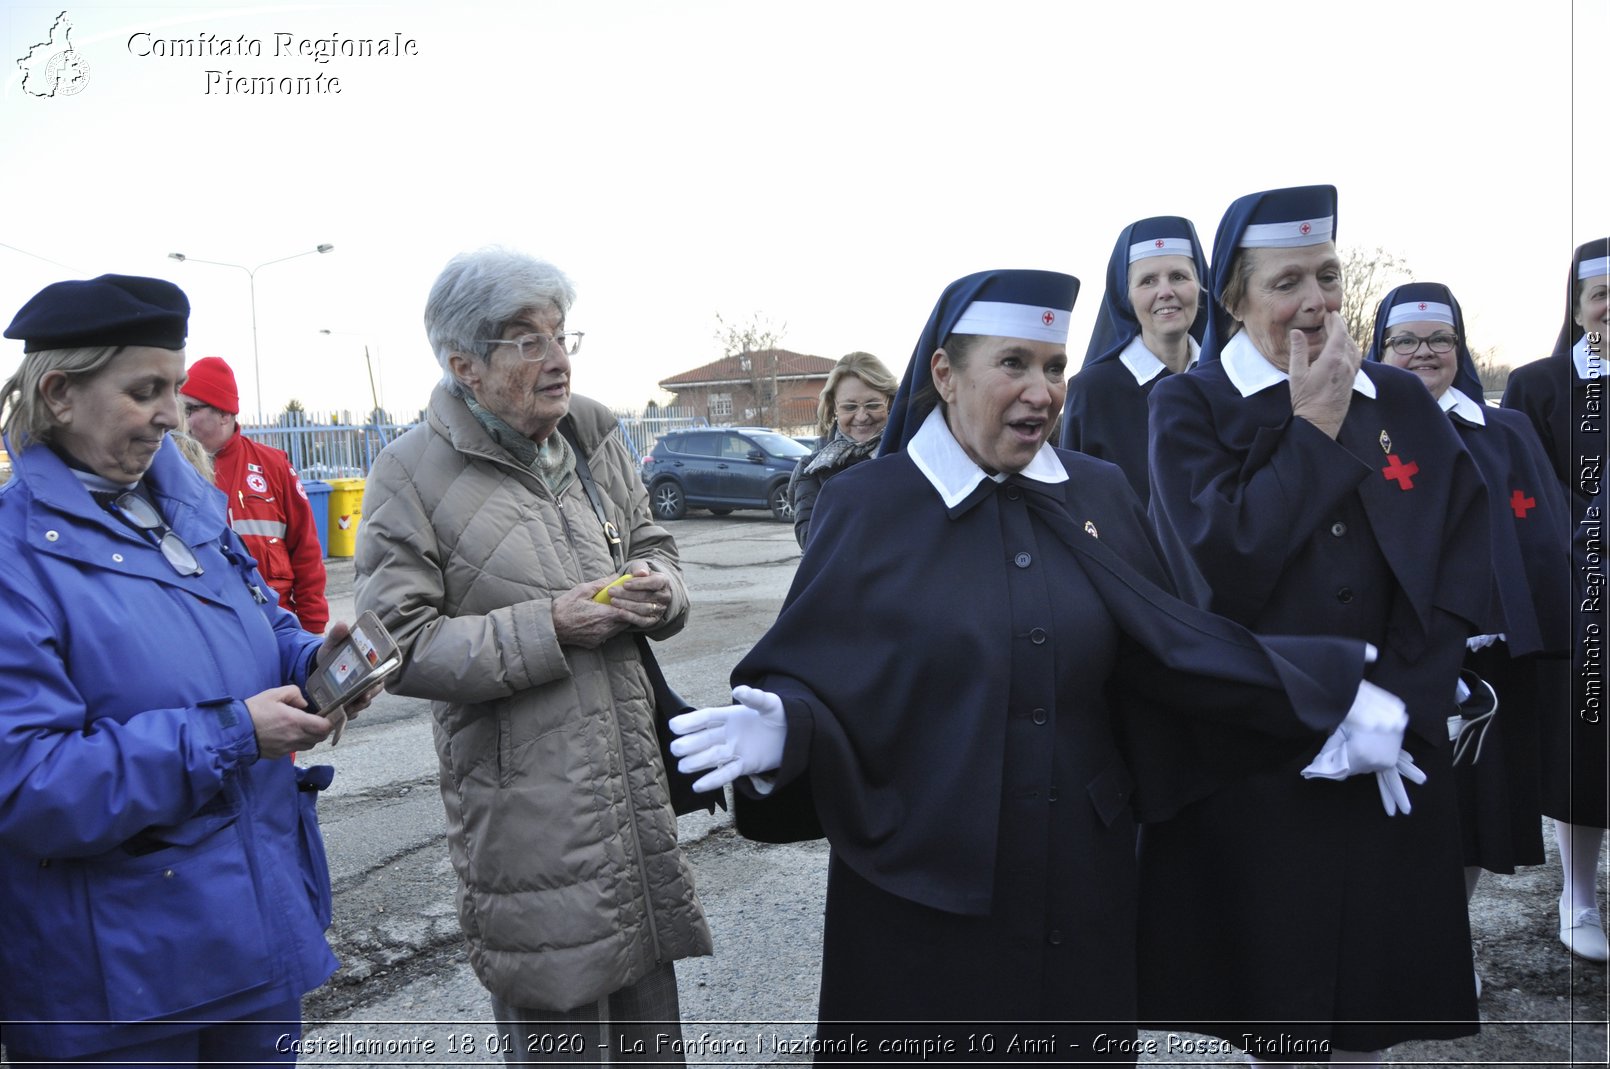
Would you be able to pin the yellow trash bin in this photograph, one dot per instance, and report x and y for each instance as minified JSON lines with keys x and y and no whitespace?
{"x":346,"y":510}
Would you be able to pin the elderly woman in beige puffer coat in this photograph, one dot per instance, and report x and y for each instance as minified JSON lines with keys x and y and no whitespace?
{"x":481,"y":552}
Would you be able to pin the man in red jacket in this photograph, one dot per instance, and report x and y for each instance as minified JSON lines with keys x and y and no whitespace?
{"x":267,"y":506}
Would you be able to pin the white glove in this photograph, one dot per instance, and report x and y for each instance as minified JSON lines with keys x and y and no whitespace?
{"x":1481,"y":642}
{"x":1369,"y":738}
{"x":1394,"y":798}
{"x":735,"y":740}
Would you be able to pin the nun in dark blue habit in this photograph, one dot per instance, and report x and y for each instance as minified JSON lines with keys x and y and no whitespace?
{"x":1420,"y":328}
{"x":1018,"y":684}
{"x":1152,"y":317}
{"x":1317,"y":494}
{"x":1564,"y":396}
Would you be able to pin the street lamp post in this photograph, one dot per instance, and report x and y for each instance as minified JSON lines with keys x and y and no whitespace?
{"x":374,"y":397}
{"x":251,"y":281}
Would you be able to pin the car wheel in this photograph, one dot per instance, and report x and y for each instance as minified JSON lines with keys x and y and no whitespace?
{"x":669,"y":504}
{"x":781,"y":507}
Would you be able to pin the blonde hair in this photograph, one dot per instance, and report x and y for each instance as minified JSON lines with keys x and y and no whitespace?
{"x":27,"y":418}
{"x":864,"y":366}
{"x":194,"y":452}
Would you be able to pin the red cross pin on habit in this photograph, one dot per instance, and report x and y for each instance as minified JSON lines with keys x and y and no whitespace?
{"x":1403,"y":473}
{"x":1048,"y":318}
{"x":1397,"y":469}
{"x":1521,"y":504}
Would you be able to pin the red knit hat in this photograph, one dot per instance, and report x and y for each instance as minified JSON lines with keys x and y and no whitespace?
{"x":212,"y":383}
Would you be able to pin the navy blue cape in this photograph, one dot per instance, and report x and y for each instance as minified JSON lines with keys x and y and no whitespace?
{"x":891,"y":654}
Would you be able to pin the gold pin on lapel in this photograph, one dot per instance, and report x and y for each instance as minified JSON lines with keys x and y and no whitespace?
{"x":1386,"y":442}
{"x":1090,"y":529}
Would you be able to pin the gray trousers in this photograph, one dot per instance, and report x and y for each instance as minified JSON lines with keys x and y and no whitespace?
{"x":641,"y":1022}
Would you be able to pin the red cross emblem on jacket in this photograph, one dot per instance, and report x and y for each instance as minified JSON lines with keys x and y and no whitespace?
{"x":1403,"y":473}
{"x":1521,"y":503}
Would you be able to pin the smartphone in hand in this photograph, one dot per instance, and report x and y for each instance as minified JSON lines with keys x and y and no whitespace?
{"x":360,"y":661}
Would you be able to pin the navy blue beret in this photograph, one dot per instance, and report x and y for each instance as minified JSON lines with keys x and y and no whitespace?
{"x":109,"y":310}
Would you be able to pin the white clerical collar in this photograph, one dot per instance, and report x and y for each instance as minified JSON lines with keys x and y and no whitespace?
{"x":1251,"y":372}
{"x":1144,"y":364}
{"x":1586,"y":367}
{"x":1459,"y":403}
{"x":953,"y":473}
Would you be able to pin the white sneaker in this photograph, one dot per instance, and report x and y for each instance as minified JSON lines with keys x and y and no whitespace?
{"x":1584,"y":936}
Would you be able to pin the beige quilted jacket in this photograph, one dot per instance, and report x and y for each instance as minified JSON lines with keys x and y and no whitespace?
{"x":571,"y":884}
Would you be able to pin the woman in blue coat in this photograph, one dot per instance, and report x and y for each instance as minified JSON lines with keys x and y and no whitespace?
{"x":163,"y":889}
{"x":1317,"y":494}
{"x":1016,"y":686}
{"x":1152,"y":316}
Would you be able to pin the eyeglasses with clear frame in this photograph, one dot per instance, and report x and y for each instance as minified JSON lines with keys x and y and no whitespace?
{"x":851,"y":409}
{"x":142,"y":514}
{"x":536,"y":347}
{"x":1409,"y":344}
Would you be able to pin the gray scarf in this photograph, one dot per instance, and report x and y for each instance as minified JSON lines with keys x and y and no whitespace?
{"x":552,"y":461}
{"x":840,"y":451}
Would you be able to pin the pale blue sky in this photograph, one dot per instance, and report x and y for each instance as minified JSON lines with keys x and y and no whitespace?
{"x":828,"y":164}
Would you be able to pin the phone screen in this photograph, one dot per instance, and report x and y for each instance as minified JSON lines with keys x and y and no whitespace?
{"x":362,"y":659}
{"x":346,"y":664}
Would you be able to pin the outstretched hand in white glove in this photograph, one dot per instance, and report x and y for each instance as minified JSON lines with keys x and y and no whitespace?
{"x":1368,"y":739}
{"x":1394,"y":797}
{"x":732,"y":740}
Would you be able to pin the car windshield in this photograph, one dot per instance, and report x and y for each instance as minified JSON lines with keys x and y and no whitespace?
{"x":778,"y":445}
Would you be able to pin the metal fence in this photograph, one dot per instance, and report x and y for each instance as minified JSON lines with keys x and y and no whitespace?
{"x":325,"y":447}
{"x":328,"y":446}
{"x":642,"y":429}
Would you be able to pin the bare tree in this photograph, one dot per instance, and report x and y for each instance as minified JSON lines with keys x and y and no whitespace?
{"x":1494,"y":376}
{"x":755,"y":345}
{"x":1367,"y":276}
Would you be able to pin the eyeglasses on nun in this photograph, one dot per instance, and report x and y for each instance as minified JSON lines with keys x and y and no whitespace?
{"x":1409,"y":344}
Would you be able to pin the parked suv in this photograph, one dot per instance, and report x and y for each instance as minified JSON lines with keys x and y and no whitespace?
{"x":721,"y":469}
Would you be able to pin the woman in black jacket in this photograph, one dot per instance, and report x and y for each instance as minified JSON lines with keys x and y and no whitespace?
{"x":850,"y":418}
